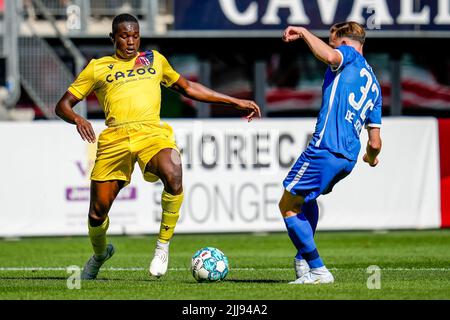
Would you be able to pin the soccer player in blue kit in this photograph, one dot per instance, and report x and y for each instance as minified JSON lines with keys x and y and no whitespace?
{"x":351,"y":100}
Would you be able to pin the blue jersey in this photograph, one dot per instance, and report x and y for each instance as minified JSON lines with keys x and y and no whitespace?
{"x":351,"y":100}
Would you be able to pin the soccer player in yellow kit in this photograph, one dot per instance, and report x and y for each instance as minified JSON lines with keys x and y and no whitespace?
{"x":127,"y":86}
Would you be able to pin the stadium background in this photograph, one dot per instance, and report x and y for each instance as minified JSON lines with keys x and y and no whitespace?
{"x":232,"y":169}
{"x":383,"y":232}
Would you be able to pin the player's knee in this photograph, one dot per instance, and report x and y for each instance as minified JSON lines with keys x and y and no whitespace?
{"x":95,"y":220}
{"x":98,"y":211}
{"x":174,"y":187}
{"x":173,"y":182}
{"x":282,"y":207}
{"x":287,"y":208}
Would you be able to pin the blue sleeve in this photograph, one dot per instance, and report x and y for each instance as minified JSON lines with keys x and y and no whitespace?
{"x":374,"y":118}
{"x":348,"y":55}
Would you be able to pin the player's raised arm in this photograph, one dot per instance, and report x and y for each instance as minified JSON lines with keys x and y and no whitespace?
{"x":199,"y":92}
{"x":64,"y":110}
{"x":373,"y":147}
{"x":319,"y":48}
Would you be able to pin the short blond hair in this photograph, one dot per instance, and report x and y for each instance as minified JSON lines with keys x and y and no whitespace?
{"x":351,"y":29}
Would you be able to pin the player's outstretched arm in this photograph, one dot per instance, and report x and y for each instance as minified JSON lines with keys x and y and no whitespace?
{"x":320,"y":49}
{"x":199,"y":92}
{"x":373,"y":147}
{"x":64,"y":110}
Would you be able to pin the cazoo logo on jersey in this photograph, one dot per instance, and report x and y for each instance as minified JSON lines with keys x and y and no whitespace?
{"x":129,"y":73}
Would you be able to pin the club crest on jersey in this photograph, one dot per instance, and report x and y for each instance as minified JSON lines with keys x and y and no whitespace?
{"x":145,"y":59}
{"x":142,"y":61}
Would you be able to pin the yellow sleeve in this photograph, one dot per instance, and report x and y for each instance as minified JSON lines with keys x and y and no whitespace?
{"x":169,"y":75}
{"x":84,"y":83}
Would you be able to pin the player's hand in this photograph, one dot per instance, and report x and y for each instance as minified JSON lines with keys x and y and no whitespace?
{"x":85,"y":129}
{"x":372,"y":164}
{"x":292,"y":33}
{"x":250,"y":106}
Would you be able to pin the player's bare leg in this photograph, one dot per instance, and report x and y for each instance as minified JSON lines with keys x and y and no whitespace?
{"x":166,"y":164}
{"x":290,"y":204}
{"x":102,"y":197}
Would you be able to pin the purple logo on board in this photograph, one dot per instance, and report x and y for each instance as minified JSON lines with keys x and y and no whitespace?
{"x":83,"y":193}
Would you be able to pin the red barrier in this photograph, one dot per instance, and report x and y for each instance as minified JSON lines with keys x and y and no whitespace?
{"x":444,"y":147}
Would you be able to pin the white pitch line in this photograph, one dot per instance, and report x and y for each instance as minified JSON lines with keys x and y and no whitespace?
{"x":237,"y":269}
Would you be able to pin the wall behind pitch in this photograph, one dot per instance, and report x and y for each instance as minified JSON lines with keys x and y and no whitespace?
{"x":232,"y":179}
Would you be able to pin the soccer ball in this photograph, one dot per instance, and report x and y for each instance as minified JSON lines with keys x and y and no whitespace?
{"x":209,"y":265}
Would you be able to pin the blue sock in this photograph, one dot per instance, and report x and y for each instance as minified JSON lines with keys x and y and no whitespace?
{"x":294,"y":238}
{"x":311,"y":211}
{"x":301,"y":234}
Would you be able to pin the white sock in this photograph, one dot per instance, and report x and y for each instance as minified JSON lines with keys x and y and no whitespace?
{"x":302,"y":260}
{"x":162,"y":245}
{"x":320,"y":270}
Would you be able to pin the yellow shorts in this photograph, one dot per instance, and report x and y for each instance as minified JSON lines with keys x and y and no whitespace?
{"x":120,"y":147}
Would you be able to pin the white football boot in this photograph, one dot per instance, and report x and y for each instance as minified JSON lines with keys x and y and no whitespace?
{"x":158,"y":266}
{"x":315,"y":276}
{"x":301,"y":267}
{"x":92,"y":267}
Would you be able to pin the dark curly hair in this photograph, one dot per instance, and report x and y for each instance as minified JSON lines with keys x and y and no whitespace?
{"x":124,"y":17}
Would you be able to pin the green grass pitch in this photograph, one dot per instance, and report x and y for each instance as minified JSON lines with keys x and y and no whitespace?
{"x":413,"y":265}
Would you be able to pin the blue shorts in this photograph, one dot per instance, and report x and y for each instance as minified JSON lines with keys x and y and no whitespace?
{"x":316,"y":172}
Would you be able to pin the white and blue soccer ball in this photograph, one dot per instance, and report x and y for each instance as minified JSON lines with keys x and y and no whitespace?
{"x":209,"y":265}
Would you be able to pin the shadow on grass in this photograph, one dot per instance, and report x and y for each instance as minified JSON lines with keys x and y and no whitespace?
{"x":255,"y":281}
{"x":65,"y":278}
{"x":105,"y":280}
{"x":241,"y":281}
{"x":33,"y":278}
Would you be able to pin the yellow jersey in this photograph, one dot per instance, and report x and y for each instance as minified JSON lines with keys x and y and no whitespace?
{"x":128,"y":91}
